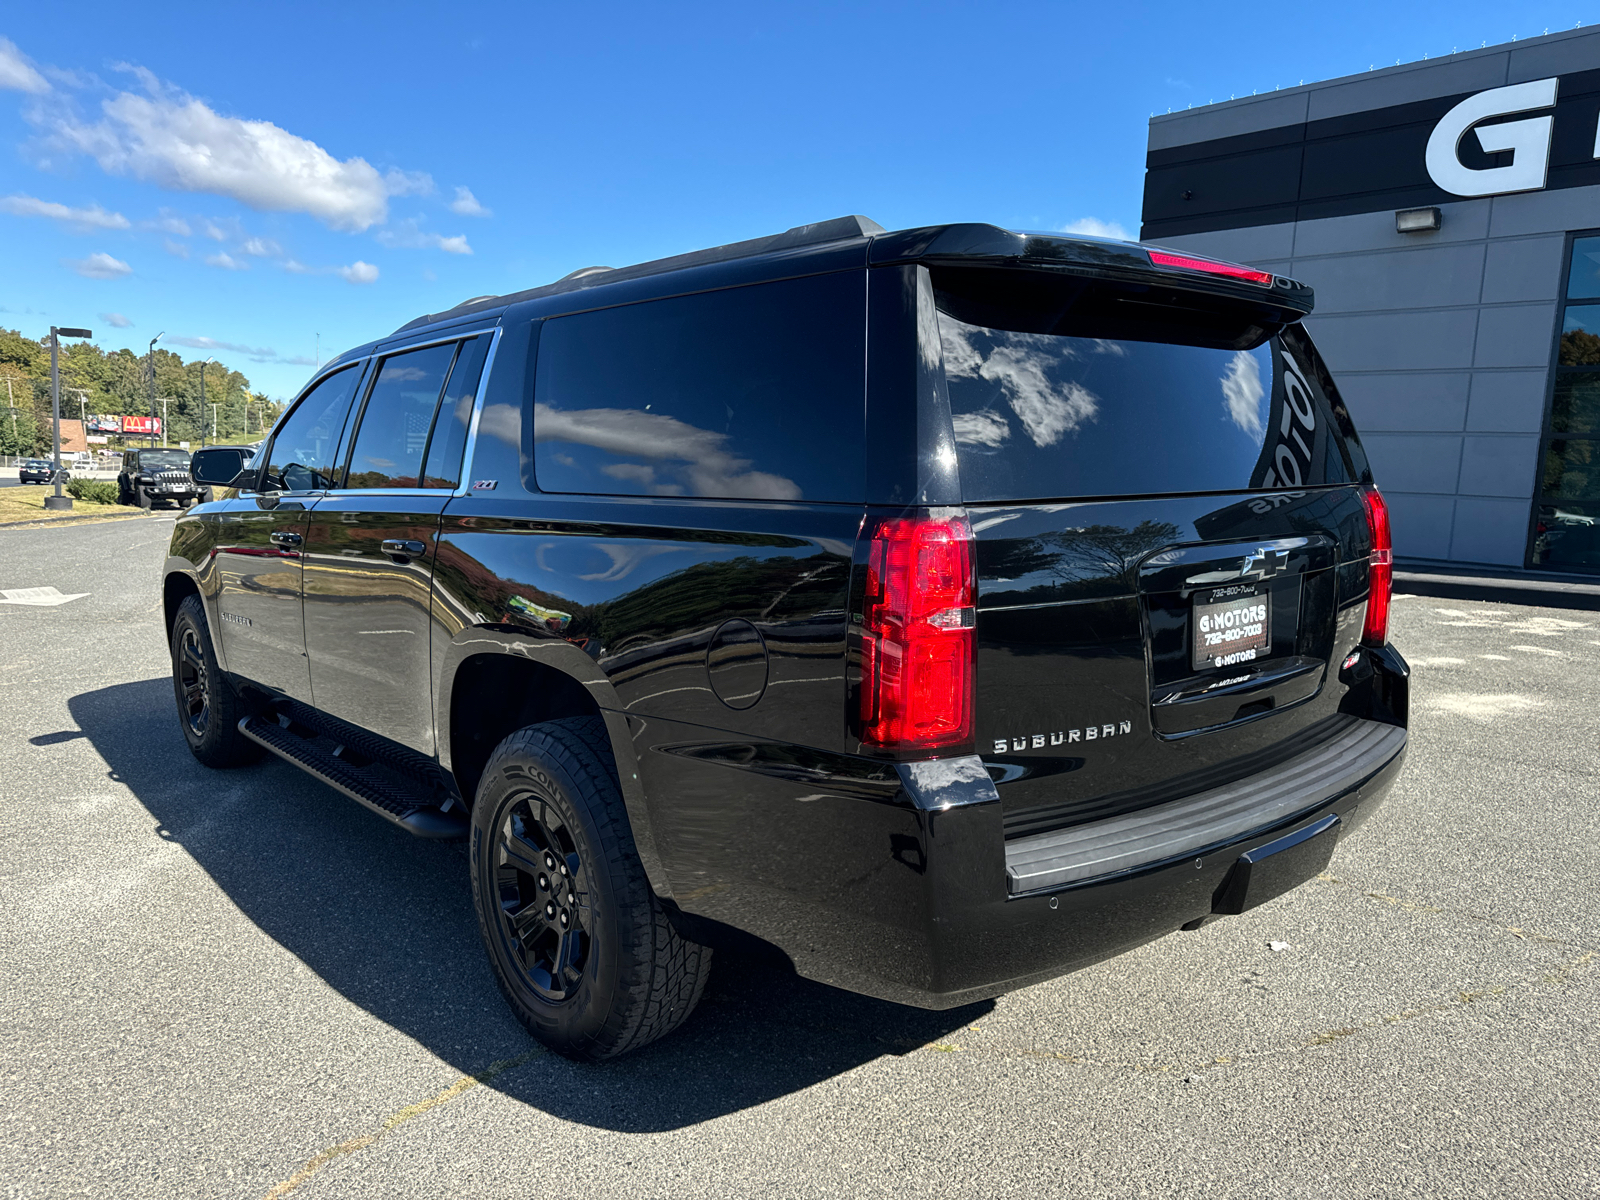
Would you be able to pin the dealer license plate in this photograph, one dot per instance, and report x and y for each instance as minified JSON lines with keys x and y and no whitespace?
{"x":1232,"y":625}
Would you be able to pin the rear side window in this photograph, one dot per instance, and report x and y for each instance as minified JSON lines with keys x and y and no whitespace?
{"x":1041,"y":416}
{"x":752,"y":393}
{"x":449,"y":438}
{"x":398,"y":414}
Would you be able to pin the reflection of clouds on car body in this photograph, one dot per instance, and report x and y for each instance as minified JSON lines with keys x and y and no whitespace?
{"x":624,"y":558}
{"x":985,"y":428}
{"x":1019,"y":363}
{"x":503,"y":422}
{"x":1242,"y":394}
{"x":697,"y":456}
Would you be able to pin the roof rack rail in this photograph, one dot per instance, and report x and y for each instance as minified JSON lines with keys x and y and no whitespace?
{"x":832,"y":230}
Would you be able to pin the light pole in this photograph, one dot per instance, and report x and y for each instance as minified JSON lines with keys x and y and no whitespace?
{"x":203,"y":404}
{"x":150,"y":360}
{"x":58,"y":500}
{"x":213,"y":422}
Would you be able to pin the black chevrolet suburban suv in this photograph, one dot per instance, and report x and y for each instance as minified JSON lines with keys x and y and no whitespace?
{"x":949,"y":608}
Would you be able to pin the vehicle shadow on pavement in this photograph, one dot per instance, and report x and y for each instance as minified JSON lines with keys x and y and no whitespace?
{"x":386,"y":920}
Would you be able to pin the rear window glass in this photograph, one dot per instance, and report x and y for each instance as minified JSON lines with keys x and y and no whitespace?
{"x":1043,"y":416}
{"x":752,"y":393}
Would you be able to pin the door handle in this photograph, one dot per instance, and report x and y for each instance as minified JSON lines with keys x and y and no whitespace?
{"x":285,"y":537}
{"x":402,"y":548}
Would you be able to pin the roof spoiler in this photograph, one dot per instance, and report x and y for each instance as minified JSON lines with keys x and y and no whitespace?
{"x":835,"y":230}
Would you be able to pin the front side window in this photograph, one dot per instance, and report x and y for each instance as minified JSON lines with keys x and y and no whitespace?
{"x":304,"y":445}
{"x":753,"y":392}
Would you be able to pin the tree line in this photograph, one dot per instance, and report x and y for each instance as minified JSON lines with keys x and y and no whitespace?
{"x":117,"y":382}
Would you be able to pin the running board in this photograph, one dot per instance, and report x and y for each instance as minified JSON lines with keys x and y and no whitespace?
{"x":384,"y":793}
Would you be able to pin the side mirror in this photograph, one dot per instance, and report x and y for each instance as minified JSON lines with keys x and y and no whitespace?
{"x":219,"y":466}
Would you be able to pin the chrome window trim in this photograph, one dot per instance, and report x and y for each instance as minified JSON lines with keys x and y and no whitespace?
{"x":377,"y":360}
{"x":469,"y":451}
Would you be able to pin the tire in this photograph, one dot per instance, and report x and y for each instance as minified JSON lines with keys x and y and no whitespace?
{"x":208,"y":707}
{"x":207,"y":496}
{"x":143,"y":498}
{"x":606,"y":973}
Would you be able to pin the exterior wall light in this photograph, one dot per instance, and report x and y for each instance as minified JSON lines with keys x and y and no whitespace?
{"x":1417,"y":220}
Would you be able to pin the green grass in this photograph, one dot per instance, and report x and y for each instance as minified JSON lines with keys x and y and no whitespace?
{"x":27,"y":504}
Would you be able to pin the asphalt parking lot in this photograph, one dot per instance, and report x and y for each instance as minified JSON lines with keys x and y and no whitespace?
{"x":241,"y":984}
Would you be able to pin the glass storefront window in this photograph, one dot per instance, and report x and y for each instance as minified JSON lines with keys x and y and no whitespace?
{"x":1583,"y":280}
{"x":1580,"y":337}
{"x":1566,"y":517}
{"x":1575,"y":407}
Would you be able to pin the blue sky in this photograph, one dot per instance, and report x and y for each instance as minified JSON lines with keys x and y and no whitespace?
{"x":250,"y":179}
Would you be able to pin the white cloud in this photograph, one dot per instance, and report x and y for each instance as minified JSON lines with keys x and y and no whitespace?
{"x":85,"y":219}
{"x":116,"y":320}
{"x":261,"y":248}
{"x":1242,"y":393}
{"x":359,"y":272}
{"x":409,"y":235}
{"x":175,"y":141}
{"x":176,"y":249}
{"x":408,"y":183}
{"x":17,"y":73}
{"x":1094,"y":227}
{"x":466,"y":204}
{"x":205,"y":343}
{"x":227,"y":262}
{"x":99,"y":265}
{"x":168,"y":223}
{"x":295,"y":268}
{"x":215,"y":232}
{"x":260,"y":354}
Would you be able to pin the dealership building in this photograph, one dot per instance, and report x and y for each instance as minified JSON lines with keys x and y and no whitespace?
{"x":1447,"y":212}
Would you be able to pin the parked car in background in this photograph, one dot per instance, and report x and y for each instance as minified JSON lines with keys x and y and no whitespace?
{"x":35,"y":470}
{"x":150,"y":476}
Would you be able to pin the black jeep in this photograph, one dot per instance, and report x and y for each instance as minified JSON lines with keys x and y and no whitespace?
{"x":151,"y":476}
{"x":949,"y":608}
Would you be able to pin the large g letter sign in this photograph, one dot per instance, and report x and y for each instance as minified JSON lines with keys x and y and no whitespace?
{"x":1529,"y":140}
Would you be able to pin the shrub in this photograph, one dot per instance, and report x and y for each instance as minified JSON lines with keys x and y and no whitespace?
{"x":93,"y":491}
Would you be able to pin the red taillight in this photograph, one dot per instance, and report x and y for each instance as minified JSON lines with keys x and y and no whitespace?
{"x":918,"y":621}
{"x":1381,"y":574}
{"x":1185,"y":262}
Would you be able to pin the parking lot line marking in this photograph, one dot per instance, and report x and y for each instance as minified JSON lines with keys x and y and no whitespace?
{"x":37,"y":597}
{"x":346,"y":1148}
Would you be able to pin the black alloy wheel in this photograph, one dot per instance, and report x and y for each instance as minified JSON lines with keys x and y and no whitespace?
{"x":582,"y":949}
{"x":192,"y":682}
{"x":545,"y":916}
{"x":209,"y":709}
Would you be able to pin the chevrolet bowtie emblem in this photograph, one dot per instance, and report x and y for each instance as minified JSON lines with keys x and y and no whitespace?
{"x":1263,"y":563}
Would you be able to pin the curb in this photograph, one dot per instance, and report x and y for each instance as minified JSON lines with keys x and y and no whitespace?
{"x":1500,"y":589}
{"x":77,"y":518}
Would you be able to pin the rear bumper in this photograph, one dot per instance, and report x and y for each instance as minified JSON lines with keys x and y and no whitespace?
{"x":900,"y":886}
